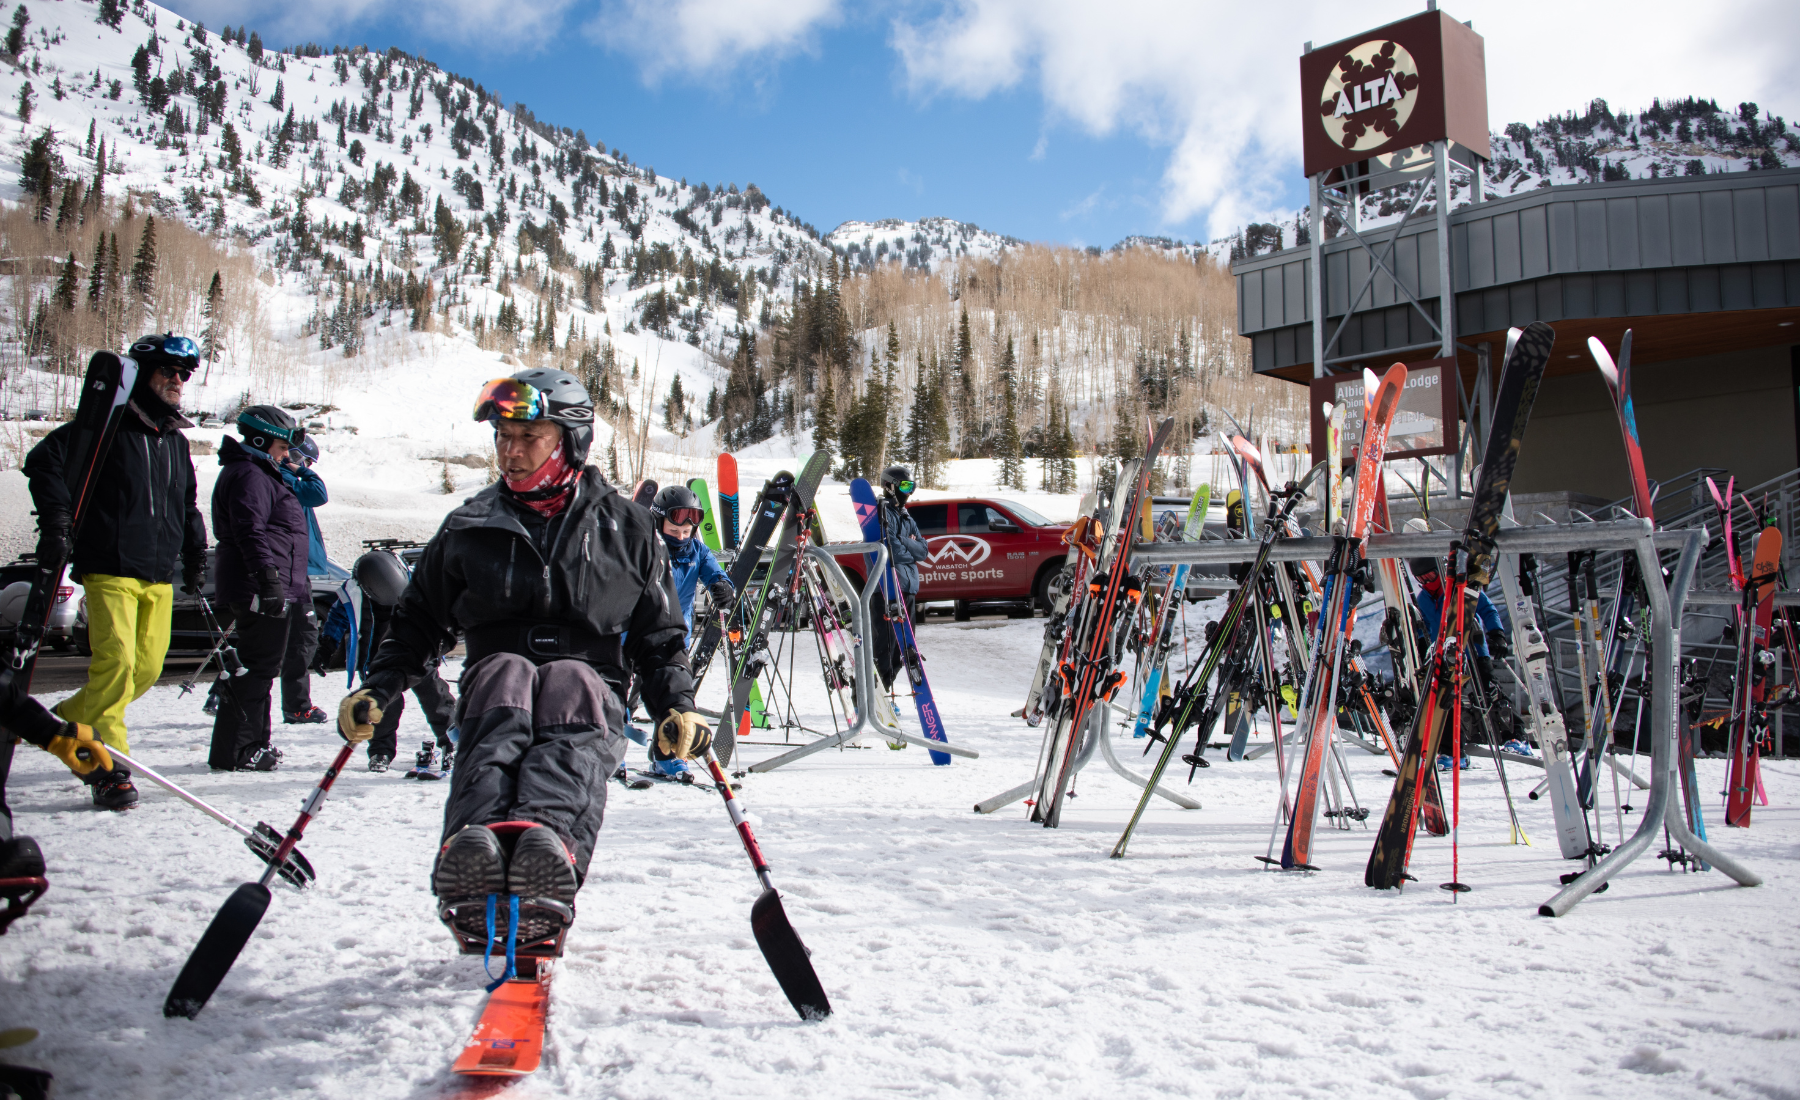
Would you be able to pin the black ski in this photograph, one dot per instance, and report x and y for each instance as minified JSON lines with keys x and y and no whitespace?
{"x":770,"y":505}
{"x":1512,"y":411}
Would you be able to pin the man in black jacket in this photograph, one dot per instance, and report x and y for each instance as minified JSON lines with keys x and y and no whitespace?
{"x":559,"y":585}
{"x":141,"y":518}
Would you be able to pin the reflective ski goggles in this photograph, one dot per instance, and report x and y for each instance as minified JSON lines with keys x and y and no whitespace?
{"x":180,"y":347}
{"x":680,"y":516}
{"x":511,"y":399}
{"x":904,"y":488}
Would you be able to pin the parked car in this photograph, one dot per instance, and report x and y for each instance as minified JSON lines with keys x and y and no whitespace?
{"x":188,"y":631}
{"x":985,"y":551}
{"x":61,"y":631}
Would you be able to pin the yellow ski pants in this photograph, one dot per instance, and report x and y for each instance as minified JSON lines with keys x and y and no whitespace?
{"x":128,"y":630}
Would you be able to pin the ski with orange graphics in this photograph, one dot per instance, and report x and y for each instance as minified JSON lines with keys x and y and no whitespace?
{"x":1382,"y":400}
{"x":508,"y":1040}
{"x":1751,"y":716}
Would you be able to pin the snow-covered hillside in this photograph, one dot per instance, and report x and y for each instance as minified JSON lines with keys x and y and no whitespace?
{"x":413,"y":236}
{"x":928,"y":243}
{"x":1678,"y":137}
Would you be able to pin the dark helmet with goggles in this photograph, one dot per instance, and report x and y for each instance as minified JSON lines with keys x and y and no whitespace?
{"x":166,"y":351}
{"x":678,"y":505}
{"x":543,"y":394}
{"x":898,"y":481}
{"x":263,"y":425}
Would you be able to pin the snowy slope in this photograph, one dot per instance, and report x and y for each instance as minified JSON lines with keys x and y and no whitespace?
{"x":928,"y":243}
{"x":965,"y":955}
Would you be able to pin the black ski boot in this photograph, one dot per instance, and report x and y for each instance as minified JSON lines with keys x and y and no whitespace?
{"x":422,"y":761}
{"x":259,"y":758}
{"x":470,"y":866}
{"x":541,"y":867}
{"x":113,"y":790}
{"x":378,"y":762}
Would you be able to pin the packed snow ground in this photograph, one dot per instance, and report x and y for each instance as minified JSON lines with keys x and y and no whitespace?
{"x":965,"y":955}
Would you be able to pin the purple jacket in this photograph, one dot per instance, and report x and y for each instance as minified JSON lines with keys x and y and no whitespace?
{"x":257,"y":523}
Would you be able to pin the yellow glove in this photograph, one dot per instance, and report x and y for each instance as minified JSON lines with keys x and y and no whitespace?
{"x":357,"y":716}
{"x":683,"y":735}
{"x":77,"y":748}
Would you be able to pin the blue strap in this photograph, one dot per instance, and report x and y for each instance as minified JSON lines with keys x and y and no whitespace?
{"x":512,"y":941}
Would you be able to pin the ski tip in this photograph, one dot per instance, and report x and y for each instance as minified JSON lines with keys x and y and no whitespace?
{"x":1604,"y":360}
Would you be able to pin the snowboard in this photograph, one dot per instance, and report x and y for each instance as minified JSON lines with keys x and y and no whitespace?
{"x":645,"y":493}
{"x":868,"y":515}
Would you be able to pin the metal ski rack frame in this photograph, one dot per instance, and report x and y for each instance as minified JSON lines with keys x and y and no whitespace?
{"x":1096,"y":737}
{"x":1666,"y":606}
{"x":868,"y":713}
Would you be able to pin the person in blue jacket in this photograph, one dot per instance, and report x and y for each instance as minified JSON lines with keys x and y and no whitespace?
{"x":678,"y":514}
{"x":1485,"y":644}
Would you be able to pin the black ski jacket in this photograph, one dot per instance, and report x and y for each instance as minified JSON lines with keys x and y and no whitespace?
{"x":599,"y":590}
{"x":142,"y":516}
{"x":906,"y":546}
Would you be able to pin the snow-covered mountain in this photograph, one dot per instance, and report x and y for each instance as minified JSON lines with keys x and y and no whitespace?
{"x":397,"y":213}
{"x":1677,"y":137}
{"x":928,"y":243}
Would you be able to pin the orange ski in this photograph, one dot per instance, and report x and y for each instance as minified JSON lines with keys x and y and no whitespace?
{"x":508,"y":1041}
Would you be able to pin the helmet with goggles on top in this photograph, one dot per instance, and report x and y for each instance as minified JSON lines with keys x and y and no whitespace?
{"x":541,"y":393}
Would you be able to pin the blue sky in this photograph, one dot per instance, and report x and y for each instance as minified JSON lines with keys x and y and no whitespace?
{"x":1077,"y":121}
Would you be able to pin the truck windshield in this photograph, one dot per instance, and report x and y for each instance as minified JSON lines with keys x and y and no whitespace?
{"x":1024,"y":514}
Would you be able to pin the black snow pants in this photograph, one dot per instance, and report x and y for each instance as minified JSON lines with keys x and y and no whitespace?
{"x":535,"y":743}
{"x":302,"y":643}
{"x":433,"y":696}
{"x":242,"y":723}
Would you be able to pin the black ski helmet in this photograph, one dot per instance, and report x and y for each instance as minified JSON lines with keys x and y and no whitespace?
{"x":672,"y":499}
{"x":1422,"y":566}
{"x":261,"y":425}
{"x":165,"y":349}
{"x":307,"y":448}
{"x":561,"y":398}
{"x":894,"y":478}
{"x":381,"y":575}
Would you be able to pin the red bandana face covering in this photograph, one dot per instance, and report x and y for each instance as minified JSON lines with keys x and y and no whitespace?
{"x":547,"y":490}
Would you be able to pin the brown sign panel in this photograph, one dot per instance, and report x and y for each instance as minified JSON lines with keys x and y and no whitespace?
{"x":1424,"y":424}
{"x":1408,"y":83}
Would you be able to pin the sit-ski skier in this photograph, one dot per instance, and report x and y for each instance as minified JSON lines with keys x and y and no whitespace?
{"x":559,"y":584}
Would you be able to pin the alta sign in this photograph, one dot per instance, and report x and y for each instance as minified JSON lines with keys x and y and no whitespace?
{"x":1409,"y":83}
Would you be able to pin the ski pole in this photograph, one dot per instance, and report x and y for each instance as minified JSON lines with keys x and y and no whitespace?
{"x":781,"y":947}
{"x":222,"y":649}
{"x":263,"y":840}
{"x":236,"y":920}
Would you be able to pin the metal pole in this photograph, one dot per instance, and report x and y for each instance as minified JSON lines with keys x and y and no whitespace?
{"x":1666,"y":606}
{"x":1440,"y":152}
{"x":1316,"y":280}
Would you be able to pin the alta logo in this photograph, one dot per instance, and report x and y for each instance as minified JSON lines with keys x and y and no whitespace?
{"x":1370,"y":94}
{"x":955,"y":551}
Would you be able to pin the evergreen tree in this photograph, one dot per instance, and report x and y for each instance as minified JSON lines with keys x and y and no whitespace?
{"x":27,"y":100}
{"x":143,"y":265}
{"x":675,"y":408}
{"x":1011,"y":450}
{"x":15,"y":38}
{"x":212,"y":310}
{"x":96,"y":289}
{"x":64,"y":295}
{"x":824,"y":416}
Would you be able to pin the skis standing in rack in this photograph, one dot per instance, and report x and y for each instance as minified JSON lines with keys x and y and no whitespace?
{"x":880,"y":522}
{"x":1168,"y":610}
{"x":1519,"y":382}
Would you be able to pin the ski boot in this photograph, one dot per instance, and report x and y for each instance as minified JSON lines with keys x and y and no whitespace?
{"x":378,"y":762}
{"x":113,"y":790}
{"x":308,"y":716}
{"x":422,"y":761}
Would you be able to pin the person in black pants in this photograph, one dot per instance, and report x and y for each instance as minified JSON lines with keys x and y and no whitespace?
{"x":261,"y":579}
{"x":382,"y":577}
{"x":303,"y":637}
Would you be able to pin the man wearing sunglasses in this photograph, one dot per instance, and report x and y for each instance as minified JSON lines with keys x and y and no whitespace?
{"x":142,"y":520}
{"x":561,"y":589}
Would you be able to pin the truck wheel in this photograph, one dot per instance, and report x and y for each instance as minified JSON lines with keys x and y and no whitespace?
{"x":961,"y":611}
{"x":1020,"y":611}
{"x":1040,"y":592}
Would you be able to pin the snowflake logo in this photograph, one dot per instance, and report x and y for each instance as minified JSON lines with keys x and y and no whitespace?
{"x":1369,"y":95}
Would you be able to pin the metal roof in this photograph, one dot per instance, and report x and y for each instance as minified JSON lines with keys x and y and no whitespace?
{"x":1636,"y":248}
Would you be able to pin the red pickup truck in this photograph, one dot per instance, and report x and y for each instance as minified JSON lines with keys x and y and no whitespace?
{"x":984,"y":550}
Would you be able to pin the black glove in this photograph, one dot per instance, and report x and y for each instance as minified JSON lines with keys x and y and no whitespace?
{"x":193,"y":574}
{"x":722,"y":593}
{"x":54,"y":543}
{"x":323,"y":655}
{"x":1498,"y":644}
{"x":271,"y":598}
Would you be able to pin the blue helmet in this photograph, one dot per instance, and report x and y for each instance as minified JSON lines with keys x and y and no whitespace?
{"x":307,"y":448}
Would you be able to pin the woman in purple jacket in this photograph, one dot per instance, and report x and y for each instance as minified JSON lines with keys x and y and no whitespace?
{"x":260,"y":578}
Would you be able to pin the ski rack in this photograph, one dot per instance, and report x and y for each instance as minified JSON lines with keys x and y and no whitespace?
{"x":869,"y":715}
{"x":1666,"y":605}
{"x":1095,"y":737}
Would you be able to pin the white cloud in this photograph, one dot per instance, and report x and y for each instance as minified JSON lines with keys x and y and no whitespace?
{"x":1085,"y":206}
{"x":697,"y":37}
{"x":1217,"y":83}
